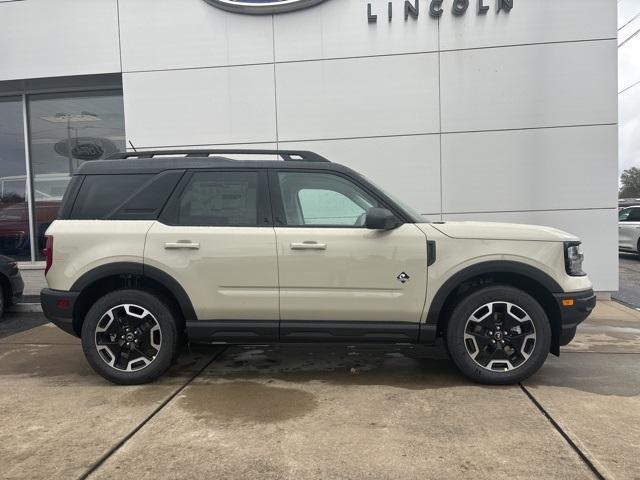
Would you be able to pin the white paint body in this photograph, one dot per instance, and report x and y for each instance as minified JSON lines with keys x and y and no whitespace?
{"x":629,"y":234}
{"x":256,"y":273}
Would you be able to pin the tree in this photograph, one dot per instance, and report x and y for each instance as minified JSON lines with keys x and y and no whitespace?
{"x":630,"y":180}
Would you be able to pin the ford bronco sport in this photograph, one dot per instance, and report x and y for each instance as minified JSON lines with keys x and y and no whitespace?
{"x":152,"y":247}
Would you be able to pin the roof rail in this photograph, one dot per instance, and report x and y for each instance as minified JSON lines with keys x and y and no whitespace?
{"x":286,"y":155}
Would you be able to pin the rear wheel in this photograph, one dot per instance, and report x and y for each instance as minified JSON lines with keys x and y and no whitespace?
{"x":129,"y":337}
{"x":498,"y":335}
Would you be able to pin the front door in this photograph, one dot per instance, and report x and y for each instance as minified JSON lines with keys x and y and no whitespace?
{"x":337,"y":278}
{"x":216,"y":239}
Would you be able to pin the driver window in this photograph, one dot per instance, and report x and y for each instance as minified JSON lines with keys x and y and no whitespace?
{"x":624,"y":215}
{"x":323,"y":199}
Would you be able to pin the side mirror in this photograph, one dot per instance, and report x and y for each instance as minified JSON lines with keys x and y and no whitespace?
{"x":380,"y":219}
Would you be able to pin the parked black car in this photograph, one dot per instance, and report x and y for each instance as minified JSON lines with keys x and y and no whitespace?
{"x":10,"y":282}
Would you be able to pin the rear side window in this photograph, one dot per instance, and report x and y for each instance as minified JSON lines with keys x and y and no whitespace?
{"x":220,"y":199}
{"x":100,"y":195}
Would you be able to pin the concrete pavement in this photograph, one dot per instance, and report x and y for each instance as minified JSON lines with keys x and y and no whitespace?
{"x":323,"y":412}
{"x":593,"y":390}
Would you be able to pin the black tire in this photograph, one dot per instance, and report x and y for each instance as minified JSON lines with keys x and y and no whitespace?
{"x":530,"y":352}
{"x":156,"y":337}
{"x":2,"y":302}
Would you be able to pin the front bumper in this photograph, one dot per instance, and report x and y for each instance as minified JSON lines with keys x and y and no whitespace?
{"x":574,"y":308}
{"x":57,"y":306}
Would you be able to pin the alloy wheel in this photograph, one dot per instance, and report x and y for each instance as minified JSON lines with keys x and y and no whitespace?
{"x":500,"y":336}
{"x":128,"y":337}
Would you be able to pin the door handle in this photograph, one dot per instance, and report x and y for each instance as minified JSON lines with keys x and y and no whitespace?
{"x":308,"y":245}
{"x":182,"y":244}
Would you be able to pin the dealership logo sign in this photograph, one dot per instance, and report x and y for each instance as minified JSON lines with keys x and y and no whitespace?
{"x":437,"y":8}
{"x":411,"y":8}
{"x":262,"y":7}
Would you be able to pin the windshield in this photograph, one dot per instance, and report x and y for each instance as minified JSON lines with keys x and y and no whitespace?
{"x":412,"y":212}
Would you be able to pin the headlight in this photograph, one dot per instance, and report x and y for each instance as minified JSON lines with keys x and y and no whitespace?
{"x":573,"y":258}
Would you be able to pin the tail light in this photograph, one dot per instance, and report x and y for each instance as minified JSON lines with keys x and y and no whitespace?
{"x":47,"y":252}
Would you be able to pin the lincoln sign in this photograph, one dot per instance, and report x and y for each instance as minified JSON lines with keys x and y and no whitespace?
{"x":408,"y":8}
{"x":437,"y":8}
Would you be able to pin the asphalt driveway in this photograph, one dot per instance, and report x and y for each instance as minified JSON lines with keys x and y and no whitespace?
{"x":629,"y":291}
{"x":302,"y":411}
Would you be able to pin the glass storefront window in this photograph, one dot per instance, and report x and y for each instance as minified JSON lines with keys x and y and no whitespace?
{"x":67,"y":130}
{"x":14,"y":211}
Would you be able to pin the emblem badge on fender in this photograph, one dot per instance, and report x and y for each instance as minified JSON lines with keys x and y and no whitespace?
{"x":262,"y":7}
{"x":403,"y":277}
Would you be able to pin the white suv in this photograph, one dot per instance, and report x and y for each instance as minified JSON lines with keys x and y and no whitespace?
{"x":629,"y":229}
{"x":153,"y":245}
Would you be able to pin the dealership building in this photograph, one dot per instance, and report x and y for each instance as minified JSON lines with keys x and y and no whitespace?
{"x":498,"y":110}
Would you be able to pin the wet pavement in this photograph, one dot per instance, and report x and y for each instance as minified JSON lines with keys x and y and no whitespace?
{"x":629,"y":291}
{"x":332,"y":411}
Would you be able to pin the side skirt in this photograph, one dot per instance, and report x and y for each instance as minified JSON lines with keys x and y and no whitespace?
{"x":272,"y":331}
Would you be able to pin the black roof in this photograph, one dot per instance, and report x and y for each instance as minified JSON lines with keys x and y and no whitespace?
{"x":158,"y":161}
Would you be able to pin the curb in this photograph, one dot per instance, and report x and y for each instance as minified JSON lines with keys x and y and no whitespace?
{"x":24,"y":308}
{"x":625,"y":304}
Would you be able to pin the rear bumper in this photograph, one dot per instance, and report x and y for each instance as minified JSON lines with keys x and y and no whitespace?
{"x":57,"y":306}
{"x":574,"y":308}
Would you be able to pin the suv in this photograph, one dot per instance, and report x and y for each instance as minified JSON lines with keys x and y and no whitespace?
{"x":629,"y":229}
{"x":152,"y":247}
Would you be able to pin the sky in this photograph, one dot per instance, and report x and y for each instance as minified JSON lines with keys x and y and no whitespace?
{"x":629,"y":83}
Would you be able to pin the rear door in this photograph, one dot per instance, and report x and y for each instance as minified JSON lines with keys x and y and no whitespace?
{"x":215,"y":237}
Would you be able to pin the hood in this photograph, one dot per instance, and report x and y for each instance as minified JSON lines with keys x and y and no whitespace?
{"x":502,"y":231}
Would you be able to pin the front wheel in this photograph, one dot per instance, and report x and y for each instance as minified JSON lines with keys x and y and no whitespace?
{"x":498,"y":335}
{"x":129,"y":337}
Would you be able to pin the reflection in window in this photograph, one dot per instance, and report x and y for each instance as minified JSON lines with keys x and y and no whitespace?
{"x":67,"y":130}
{"x":323,"y":199}
{"x":624,"y":214}
{"x":14,"y":212}
{"x":326,"y":207}
{"x":220,"y":199}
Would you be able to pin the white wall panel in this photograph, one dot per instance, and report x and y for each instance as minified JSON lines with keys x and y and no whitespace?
{"x":598,"y":230}
{"x":539,"y":169}
{"x":200,"y":106}
{"x":339,"y":28}
{"x":407,"y":167}
{"x":43,"y":38}
{"x":530,"y":21}
{"x":162,"y":34}
{"x":392,"y":95}
{"x":529,"y":86}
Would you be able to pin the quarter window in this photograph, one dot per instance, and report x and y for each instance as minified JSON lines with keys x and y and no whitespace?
{"x":220,"y":199}
{"x":323,"y":199}
{"x":100,"y":195}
